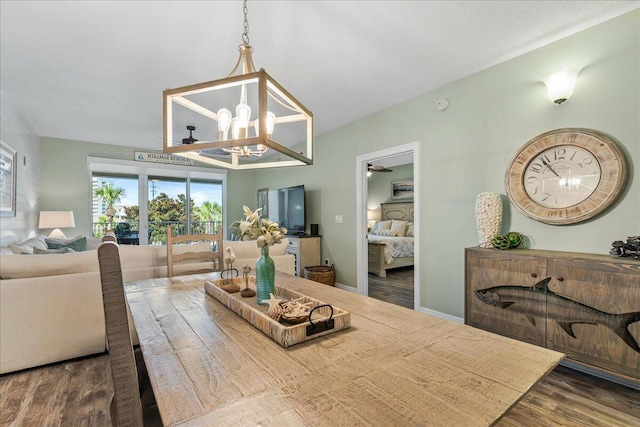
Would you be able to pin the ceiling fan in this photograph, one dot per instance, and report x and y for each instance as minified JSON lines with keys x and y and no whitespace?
{"x":210,"y":152}
{"x":377,"y":168}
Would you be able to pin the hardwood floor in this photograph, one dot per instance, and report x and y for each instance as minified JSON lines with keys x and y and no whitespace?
{"x":74,"y":393}
{"x":77,"y":393}
{"x":396,"y":288}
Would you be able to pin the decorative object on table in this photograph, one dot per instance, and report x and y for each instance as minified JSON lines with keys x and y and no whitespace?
{"x":275,"y":309}
{"x":266,"y":233}
{"x":628,"y":249}
{"x":230,"y":287}
{"x":511,"y":240}
{"x":566,"y":176}
{"x":326,"y":318}
{"x":296,"y":311}
{"x":228,"y":260}
{"x":8,"y":177}
{"x":247,"y":292}
{"x":321,"y":274}
{"x":488,"y":213}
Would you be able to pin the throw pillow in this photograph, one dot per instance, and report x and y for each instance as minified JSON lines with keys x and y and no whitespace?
{"x":78,"y":244}
{"x":385,"y":233}
{"x":21,"y":250}
{"x":409,"y":231}
{"x":36,"y":242}
{"x":63,"y":250}
{"x":380,"y":226}
{"x":398,"y":227}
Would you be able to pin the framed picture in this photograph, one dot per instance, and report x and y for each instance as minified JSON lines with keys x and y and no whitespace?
{"x":263,"y":202}
{"x":402,"y":190}
{"x":8,"y":176}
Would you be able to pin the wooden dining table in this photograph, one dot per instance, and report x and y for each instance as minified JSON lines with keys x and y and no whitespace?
{"x":392,"y":367}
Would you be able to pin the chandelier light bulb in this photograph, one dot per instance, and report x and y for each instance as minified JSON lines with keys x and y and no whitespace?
{"x":271,"y":123}
{"x":235,"y":128}
{"x":224,"y":121}
{"x":243,"y":113}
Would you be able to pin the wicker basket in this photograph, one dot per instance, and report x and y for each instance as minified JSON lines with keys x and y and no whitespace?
{"x":321,"y":273}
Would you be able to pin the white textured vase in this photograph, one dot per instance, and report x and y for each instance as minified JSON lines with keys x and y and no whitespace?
{"x":488,"y":217}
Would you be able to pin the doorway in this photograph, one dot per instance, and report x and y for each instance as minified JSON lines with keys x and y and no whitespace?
{"x":403,"y":154}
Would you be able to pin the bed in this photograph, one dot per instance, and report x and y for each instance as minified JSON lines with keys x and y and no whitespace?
{"x":387,"y":251}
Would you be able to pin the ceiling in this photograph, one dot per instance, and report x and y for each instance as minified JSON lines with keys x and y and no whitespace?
{"x":95,"y":70}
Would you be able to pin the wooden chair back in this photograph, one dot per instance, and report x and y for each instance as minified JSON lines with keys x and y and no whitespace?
{"x":214,"y":256}
{"x":128,"y":407}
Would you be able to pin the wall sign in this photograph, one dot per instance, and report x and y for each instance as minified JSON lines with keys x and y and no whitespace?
{"x":172,"y":159}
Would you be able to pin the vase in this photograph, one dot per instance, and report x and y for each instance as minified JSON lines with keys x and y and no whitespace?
{"x":488,"y":218}
{"x":265,"y":276}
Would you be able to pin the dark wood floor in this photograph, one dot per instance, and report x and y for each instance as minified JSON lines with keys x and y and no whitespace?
{"x":396,"y":288}
{"x":77,"y":394}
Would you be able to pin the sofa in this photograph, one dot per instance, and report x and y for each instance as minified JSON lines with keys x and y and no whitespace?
{"x":51,"y":303}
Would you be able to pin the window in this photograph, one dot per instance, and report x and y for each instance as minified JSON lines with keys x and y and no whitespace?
{"x":146,"y":198}
{"x":115,"y":203}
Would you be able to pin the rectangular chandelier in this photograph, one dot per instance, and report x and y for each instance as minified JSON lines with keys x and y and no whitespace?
{"x":224,"y":141}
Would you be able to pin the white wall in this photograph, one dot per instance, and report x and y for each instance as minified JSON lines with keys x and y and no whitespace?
{"x":15,"y":131}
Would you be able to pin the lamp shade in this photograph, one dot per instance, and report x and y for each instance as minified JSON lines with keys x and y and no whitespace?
{"x":560,"y":85}
{"x":56,"y":220}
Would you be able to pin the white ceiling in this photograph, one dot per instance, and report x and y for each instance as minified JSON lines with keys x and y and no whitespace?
{"x":95,"y":70}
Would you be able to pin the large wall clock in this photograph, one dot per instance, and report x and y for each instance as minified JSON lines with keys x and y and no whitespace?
{"x":566,"y":176}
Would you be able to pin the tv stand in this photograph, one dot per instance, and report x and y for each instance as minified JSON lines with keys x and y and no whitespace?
{"x":306,"y":250}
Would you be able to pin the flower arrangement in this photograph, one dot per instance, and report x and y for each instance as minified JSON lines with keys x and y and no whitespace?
{"x":265,"y":232}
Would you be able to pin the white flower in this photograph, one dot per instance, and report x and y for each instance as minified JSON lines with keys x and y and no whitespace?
{"x":251,"y":227}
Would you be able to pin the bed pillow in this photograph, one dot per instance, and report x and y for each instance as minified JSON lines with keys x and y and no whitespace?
{"x":398,"y":228}
{"x":380,"y":226}
{"x":78,"y":244}
{"x":409,"y":230}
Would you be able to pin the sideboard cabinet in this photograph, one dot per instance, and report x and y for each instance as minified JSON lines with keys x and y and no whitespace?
{"x":586,"y":306}
{"x":306,"y":249}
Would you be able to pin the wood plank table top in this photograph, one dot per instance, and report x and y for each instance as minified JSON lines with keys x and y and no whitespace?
{"x":394,"y":366}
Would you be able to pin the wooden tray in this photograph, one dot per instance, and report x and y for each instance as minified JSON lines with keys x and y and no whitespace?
{"x":282,"y":332}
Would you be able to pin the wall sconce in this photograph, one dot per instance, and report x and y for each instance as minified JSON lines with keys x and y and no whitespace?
{"x":56,"y":220}
{"x":560,"y":85}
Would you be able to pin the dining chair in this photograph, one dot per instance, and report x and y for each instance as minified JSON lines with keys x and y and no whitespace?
{"x":179,"y":253}
{"x":109,"y":236}
{"x":133,"y":403}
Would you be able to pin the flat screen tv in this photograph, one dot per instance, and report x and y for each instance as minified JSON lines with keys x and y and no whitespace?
{"x":286,"y":206}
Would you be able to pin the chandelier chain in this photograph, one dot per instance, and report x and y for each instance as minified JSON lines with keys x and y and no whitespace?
{"x":245,"y":34}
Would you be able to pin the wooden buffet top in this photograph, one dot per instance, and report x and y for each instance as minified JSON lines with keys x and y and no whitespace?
{"x":393,"y":366}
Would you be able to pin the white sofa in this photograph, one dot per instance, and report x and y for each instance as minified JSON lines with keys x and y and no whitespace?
{"x":51,"y":304}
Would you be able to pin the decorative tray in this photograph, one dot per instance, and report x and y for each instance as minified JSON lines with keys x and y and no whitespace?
{"x":325,"y":318}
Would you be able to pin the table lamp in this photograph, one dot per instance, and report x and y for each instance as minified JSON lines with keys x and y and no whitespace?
{"x":56,"y":220}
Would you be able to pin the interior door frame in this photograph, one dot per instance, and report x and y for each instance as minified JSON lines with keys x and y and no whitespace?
{"x":362,"y":161}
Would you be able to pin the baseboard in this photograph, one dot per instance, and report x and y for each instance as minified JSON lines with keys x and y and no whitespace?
{"x":600,"y":374}
{"x":441,"y":315}
{"x":347,"y":288}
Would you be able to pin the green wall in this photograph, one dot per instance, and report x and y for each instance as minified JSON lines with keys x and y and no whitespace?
{"x":65,"y":177}
{"x":465,"y":150}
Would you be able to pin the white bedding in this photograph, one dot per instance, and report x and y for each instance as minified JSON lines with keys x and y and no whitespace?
{"x":395,"y":247}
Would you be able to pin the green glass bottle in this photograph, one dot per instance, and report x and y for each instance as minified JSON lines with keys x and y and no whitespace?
{"x":265,"y":276}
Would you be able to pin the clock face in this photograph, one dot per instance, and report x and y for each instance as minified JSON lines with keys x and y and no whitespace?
{"x":566,"y":176}
{"x":562,"y":176}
